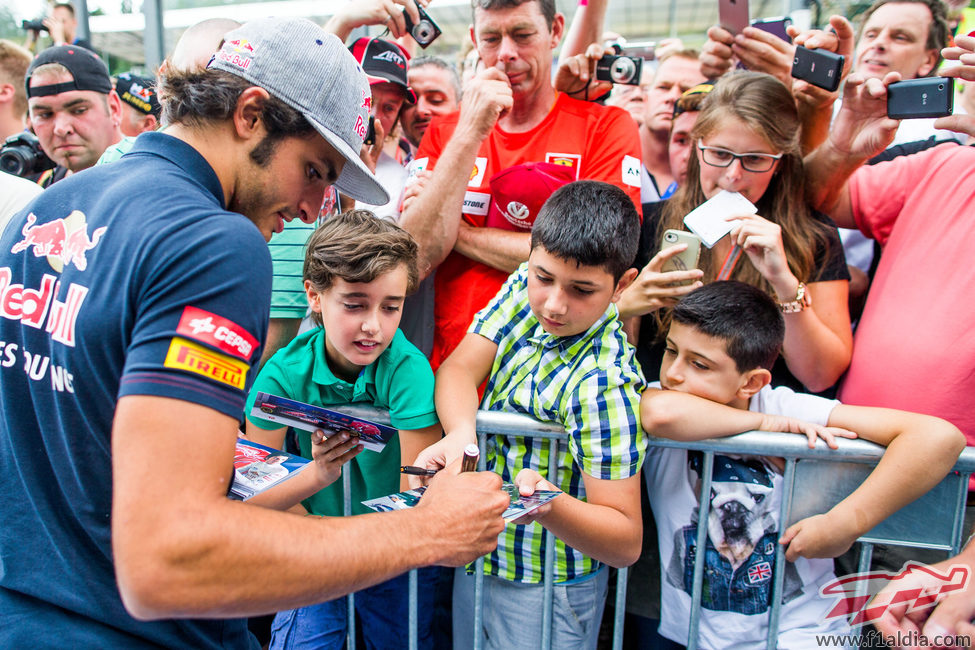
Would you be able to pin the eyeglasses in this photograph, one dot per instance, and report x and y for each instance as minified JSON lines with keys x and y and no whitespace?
{"x":750,"y":162}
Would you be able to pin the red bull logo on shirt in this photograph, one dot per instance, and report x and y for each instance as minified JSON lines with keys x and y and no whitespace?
{"x":39,"y":308}
{"x":61,"y":241}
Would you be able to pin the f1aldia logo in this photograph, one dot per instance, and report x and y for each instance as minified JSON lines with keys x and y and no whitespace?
{"x":61,"y":241}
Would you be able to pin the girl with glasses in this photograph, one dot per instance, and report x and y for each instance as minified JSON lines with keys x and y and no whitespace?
{"x":747,"y":139}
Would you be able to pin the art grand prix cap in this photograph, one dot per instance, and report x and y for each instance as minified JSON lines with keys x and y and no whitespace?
{"x":310,"y":70}
{"x":88,"y":71}
{"x":383,"y":61}
{"x":138,"y":92}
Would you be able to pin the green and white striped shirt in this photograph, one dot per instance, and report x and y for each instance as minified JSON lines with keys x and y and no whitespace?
{"x":590,"y":383}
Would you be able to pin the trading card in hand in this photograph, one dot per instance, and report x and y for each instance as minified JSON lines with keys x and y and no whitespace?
{"x":518,"y":507}
{"x":309,"y":417}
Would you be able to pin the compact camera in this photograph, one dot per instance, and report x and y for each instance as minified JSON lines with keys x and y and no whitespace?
{"x":22,"y":155}
{"x":33,"y":25}
{"x":425,"y":31}
{"x":619,"y":69}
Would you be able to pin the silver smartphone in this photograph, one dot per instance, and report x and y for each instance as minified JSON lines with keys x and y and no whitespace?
{"x":686,"y":259}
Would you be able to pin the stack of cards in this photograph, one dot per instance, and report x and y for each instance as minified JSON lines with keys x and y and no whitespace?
{"x":519,"y":505}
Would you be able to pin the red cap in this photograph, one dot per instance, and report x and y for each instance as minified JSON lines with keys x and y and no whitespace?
{"x":517,"y":193}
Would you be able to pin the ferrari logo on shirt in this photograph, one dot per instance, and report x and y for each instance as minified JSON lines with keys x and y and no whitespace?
{"x":572,"y":160}
{"x":186,"y":355}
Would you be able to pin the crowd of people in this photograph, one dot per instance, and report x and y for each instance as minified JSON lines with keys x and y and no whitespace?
{"x":286,"y":210}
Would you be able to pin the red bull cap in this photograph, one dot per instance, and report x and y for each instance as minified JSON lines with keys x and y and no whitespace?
{"x":310,"y":70}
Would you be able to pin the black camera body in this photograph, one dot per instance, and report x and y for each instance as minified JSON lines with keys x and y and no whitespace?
{"x":34,"y":25}
{"x":22,"y":155}
{"x":620,"y":69}
{"x":425,"y":31}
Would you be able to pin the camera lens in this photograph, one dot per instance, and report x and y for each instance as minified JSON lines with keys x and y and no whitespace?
{"x":423,"y":31}
{"x":671,"y":237}
{"x":622,"y":70}
{"x":941,"y":86}
{"x":14,"y":161}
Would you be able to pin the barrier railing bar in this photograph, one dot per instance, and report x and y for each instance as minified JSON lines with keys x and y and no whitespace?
{"x":619,"y":614}
{"x":549,"y":571}
{"x":700,"y":550}
{"x":788,"y":486}
{"x":479,"y":563}
{"x":956,"y":528}
{"x":414,"y":619}
{"x":350,"y":599}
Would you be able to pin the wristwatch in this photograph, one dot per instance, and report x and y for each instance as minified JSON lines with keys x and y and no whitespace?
{"x":803,"y":300}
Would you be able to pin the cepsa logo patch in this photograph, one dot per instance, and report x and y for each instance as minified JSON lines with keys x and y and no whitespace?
{"x":186,"y":355}
{"x":219,"y":332}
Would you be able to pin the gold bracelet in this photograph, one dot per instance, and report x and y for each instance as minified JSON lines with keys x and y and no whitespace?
{"x":802,"y":300}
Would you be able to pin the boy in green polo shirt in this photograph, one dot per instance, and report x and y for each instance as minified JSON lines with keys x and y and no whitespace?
{"x":551,"y":345}
{"x":358,"y":270}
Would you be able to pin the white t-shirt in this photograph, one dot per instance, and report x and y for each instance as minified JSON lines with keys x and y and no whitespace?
{"x":745,"y":505}
{"x":392,"y":176}
{"x":15,"y":193}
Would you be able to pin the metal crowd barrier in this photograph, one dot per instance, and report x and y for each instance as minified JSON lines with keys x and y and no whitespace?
{"x":496,"y":423}
{"x":933,"y":521}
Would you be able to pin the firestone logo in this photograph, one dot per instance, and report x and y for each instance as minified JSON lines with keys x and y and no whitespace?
{"x":916,"y":585}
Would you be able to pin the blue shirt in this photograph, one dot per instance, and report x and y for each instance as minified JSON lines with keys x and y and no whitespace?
{"x":123,"y":279}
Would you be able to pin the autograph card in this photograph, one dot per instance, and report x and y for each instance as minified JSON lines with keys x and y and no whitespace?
{"x":519,"y":505}
{"x":707,"y":220}
{"x":299,"y":415}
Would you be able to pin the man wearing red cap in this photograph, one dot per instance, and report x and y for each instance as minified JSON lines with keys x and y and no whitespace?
{"x":511,"y":114}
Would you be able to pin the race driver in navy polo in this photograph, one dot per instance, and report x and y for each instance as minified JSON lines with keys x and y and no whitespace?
{"x":133,"y":303}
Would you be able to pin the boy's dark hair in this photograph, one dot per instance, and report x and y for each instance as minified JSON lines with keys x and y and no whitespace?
{"x":590,"y":223}
{"x":744,"y":317}
{"x":201,"y":97}
{"x":358,"y":246}
{"x":547,"y":7}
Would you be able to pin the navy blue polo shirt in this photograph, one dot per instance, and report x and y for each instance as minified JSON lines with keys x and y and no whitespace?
{"x":124,"y":279}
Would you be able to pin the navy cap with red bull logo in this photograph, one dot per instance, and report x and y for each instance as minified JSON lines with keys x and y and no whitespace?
{"x":310,"y":70}
{"x":383,"y":61}
{"x":138,"y":92}
{"x":87,"y":70}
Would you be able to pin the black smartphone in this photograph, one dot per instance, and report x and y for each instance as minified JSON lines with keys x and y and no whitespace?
{"x":924,"y":97}
{"x":819,"y":67}
{"x":774,"y":26}
{"x":425,"y":31}
{"x":370,"y":138}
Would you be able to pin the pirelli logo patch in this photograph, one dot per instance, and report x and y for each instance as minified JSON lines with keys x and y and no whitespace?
{"x":187,"y":355}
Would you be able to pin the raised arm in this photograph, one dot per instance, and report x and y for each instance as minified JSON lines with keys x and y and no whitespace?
{"x":372,"y":12}
{"x":860,"y":131}
{"x":433,"y":217}
{"x":586,"y":27}
{"x":921,"y":450}
{"x":182,"y":549}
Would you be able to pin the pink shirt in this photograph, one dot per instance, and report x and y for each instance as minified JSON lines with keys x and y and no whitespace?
{"x":914,"y":348}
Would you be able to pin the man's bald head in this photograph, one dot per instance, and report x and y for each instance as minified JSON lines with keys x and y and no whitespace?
{"x":198,"y":43}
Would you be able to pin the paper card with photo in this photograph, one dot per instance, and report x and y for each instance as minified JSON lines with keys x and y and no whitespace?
{"x":708,"y":220}
{"x":299,"y":415}
{"x":258,"y":467}
{"x":519,"y":505}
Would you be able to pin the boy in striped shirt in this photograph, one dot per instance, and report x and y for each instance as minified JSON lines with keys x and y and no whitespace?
{"x":551,"y":345}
